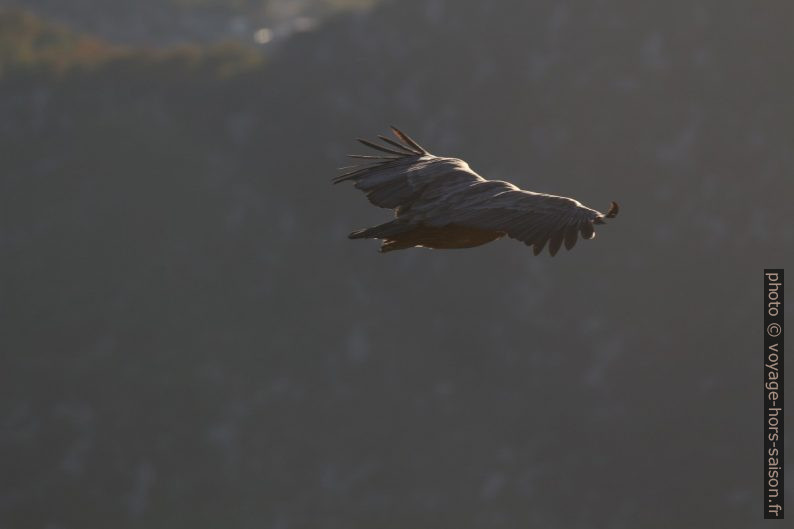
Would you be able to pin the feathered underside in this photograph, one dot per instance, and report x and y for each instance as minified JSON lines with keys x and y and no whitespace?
{"x":441,"y":203}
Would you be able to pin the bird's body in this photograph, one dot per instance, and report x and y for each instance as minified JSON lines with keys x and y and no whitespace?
{"x":441,"y":203}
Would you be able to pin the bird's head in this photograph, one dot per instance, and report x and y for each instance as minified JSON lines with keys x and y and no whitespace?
{"x":612,"y":212}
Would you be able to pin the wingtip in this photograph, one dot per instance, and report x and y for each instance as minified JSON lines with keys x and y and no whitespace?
{"x":410,"y":142}
{"x":613,"y":211}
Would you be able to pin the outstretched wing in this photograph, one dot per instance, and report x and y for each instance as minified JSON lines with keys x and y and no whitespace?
{"x":533,"y":218}
{"x":403,"y":171}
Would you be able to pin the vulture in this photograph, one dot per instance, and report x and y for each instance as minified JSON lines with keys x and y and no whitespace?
{"x":441,"y":203}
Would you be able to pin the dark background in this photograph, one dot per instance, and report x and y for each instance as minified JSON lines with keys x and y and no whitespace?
{"x":188,"y":339}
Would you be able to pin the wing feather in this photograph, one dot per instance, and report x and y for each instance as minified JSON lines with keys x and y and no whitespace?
{"x":571,"y":232}
{"x":555,"y":242}
{"x":408,"y":140}
{"x":379,"y":147}
{"x":399,"y":146}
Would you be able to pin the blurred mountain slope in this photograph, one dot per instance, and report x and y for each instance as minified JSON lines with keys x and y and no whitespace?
{"x":28,"y":45}
{"x":192,"y":341}
{"x":164,"y":22}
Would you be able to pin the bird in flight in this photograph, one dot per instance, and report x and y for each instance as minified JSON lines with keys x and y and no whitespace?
{"x":441,"y":203}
